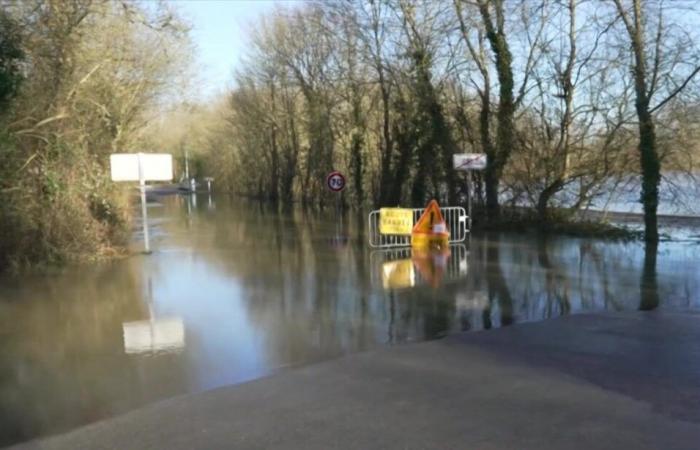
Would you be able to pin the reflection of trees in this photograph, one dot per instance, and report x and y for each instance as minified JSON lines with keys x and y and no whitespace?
{"x":648,"y":288}
{"x":545,"y":277}
{"x":303,"y":286}
{"x":310,"y":295}
{"x":307,"y":290}
{"x":497,"y":286}
{"x":556,"y":281}
{"x":325,"y":288}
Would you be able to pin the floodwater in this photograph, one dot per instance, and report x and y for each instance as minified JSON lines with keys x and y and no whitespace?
{"x":234,"y":291}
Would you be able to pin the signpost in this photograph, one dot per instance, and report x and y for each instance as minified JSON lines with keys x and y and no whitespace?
{"x":142,"y":167}
{"x":469,"y":162}
{"x":335,"y":181}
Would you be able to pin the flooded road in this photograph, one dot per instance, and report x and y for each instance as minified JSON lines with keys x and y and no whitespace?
{"x":235,"y":291}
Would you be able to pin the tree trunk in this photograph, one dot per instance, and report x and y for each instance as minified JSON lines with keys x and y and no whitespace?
{"x":401,"y":166}
{"x":357,"y":167}
{"x":492,"y":181}
{"x":567,"y":87}
{"x":544,"y":198}
{"x":648,"y":153}
{"x":506,"y":106}
{"x":385,"y":176}
{"x":273,"y":193}
{"x":651,"y":173}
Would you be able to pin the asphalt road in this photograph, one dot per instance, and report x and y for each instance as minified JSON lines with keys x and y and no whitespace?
{"x":613,"y":381}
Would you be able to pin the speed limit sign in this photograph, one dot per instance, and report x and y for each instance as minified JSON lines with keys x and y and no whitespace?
{"x":335,"y":181}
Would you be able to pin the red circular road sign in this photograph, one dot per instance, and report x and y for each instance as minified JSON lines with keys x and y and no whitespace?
{"x":335,"y":181}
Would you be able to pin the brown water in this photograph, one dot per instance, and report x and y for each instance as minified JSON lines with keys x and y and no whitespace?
{"x":234,"y":292}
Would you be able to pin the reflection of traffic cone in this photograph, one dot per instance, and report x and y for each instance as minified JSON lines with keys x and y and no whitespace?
{"x":431,"y":230}
{"x":431,"y":264}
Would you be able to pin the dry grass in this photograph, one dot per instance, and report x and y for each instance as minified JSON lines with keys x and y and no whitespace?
{"x":64,"y":212}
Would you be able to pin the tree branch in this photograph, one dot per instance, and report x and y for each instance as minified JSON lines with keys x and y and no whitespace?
{"x":675,"y":91}
{"x":624,"y":17}
{"x":657,"y":56}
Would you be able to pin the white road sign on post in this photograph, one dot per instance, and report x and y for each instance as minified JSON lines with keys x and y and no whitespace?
{"x":155,"y":166}
{"x":142,"y":167}
{"x":469,"y":161}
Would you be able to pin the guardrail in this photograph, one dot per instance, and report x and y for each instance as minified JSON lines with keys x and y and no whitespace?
{"x":455,"y":217}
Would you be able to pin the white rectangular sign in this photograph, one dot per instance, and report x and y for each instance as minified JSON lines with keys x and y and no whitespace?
{"x":155,"y":166}
{"x":469,"y":161}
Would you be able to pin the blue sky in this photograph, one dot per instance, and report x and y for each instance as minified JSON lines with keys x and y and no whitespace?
{"x":220,"y":29}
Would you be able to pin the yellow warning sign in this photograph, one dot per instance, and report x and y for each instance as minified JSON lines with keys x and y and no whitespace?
{"x":395,"y":221}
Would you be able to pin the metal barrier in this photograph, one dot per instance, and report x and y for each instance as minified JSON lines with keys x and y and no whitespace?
{"x":455,"y":217}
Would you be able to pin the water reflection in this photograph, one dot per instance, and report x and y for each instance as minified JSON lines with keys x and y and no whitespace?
{"x":401,"y":268}
{"x":648,"y":287}
{"x":211,"y":206}
{"x":156,"y":334}
{"x":247,"y":290}
{"x":498,"y":289}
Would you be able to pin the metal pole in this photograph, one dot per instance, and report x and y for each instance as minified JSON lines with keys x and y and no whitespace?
{"x":469,"y":199}
{"x":144,"y":214}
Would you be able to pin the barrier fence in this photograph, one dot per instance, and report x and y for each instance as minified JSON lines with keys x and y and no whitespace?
{"x":455,"y":217}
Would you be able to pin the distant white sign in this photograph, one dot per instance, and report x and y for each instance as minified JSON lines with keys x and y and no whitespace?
{"x":155,"y":166}
{"x":142,"y":167}
{"x":469,"y":161}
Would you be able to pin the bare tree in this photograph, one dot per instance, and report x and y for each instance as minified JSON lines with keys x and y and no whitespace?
{"x":647,"y":67}
{"x":94,"y":72}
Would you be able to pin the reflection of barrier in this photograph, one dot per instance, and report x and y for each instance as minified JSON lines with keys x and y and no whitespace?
{"x":404,"y":268}
{"x":455,"y":217}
